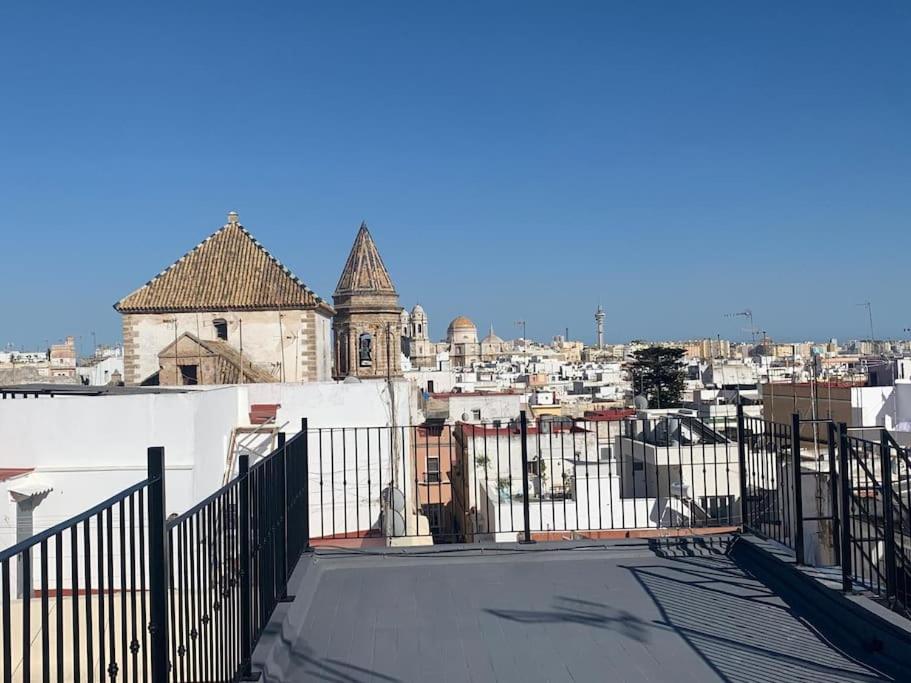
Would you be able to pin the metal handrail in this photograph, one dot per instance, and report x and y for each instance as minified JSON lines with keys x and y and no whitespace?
{"x":47,"y":534}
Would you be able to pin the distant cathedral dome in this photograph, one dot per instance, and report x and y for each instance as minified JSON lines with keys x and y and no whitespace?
{"x":462,"y":323}
{"x":491,"y":338}
{"x":462,"y":331}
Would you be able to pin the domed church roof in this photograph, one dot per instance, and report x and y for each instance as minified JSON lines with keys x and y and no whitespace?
{"x":462,"y":323}
{"x":491,"y":338}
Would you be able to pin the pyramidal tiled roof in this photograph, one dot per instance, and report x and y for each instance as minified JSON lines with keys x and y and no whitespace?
{"x":229,"y":270}
{"x":364,"y":271}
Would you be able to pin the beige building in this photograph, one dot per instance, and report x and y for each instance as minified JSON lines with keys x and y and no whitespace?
{"x":62,"y":359}
{"x":706,"y":348}
{"x":420,"y":350}
{"x":227,"y":297}
{"x":461,"y":343}
{"x":463,"y":346}
{"x":368,"y":325}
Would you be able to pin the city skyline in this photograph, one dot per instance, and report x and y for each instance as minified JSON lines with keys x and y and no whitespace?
{"x":525,"y":162}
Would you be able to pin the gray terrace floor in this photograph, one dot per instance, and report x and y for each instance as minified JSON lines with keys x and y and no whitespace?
{"x":615,"y":612}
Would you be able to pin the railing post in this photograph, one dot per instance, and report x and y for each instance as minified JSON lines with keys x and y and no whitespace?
{"x":798,"y":488}
{"x":283,"y":503}
{"x":844,"y":477}
{"x":305,"y":483}
{"x":833,"y":491}
{"x":246,"y":592}
{"x":885,"y":452}
{"x":159,"y":562}
{"x":742,"y":459}
{"x":526,"y":504}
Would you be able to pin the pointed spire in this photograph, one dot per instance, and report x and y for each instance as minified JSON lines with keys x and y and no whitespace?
{"x":364,"y":270}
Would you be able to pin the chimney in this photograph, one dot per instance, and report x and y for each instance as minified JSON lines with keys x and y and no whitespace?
{"x":232,"y":218}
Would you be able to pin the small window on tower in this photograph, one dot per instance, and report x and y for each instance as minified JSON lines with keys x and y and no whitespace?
{"x":221,"y":329}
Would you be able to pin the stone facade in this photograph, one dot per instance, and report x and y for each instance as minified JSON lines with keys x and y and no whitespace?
{"x":291,"y":346}
{"x":227,"y":290}
{"x":461,"y":344}
{"x":368,"y":324}
{"x":421,"y":351}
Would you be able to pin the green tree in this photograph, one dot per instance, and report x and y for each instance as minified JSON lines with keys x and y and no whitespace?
{"x":658,"y":375}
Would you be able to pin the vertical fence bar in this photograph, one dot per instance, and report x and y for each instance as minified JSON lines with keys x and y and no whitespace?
{"x":833,"y":491}
{"x":742,"y":460}
{"x":158,"y":566}
{"x":304,"y":466}
{"x":798,"y":488}
{"x":885,"y":453}
{"x":526,"y":511}
{"x":283,"y":531}
{"x":246,"y":632}
{"x":6,"y":623}
{"x":26,"y":578}
{"x":844,"y":476}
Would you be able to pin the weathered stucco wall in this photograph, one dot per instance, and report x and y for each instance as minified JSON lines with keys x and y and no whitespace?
{"x":286,"y":344}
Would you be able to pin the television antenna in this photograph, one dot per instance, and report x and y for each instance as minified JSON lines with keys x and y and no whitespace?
{"x":521,"y":323}
{"x":869,"y":307}
{"x":745,"y":313}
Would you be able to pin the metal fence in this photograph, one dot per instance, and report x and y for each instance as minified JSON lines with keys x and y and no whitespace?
{"x":125,"y":594}
{"x":834,"y":499}
{"x":84,"y":617}
{"x":877,"y":491}
{"x":120,"y":593}
{"x":475,"y":482}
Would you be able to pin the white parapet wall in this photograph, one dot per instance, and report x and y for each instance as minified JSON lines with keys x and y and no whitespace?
{"x":87,"y":448}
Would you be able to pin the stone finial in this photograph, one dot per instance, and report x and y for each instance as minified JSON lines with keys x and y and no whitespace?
{"x":232,"y":218}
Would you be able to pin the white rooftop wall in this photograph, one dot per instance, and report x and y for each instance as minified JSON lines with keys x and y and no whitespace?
{"x":92,"y":447}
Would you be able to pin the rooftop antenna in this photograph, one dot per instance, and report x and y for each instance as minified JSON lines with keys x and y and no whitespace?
{"x":745,"y":313}
{"x":521,"y":323}
{"x":869,"y":308}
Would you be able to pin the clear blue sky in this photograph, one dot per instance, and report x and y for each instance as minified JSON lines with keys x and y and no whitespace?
{"x":514,"y":160}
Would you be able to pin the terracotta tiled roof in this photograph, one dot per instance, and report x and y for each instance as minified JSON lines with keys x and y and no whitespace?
{"x":229,"y":270}
{"x":364,"y":271}
{"x":10,"y":472}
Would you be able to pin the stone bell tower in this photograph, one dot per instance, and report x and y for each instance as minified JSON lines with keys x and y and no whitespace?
{"x":367,"y":325}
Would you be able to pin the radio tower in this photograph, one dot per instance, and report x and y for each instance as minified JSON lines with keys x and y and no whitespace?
{"x":599,"y":325}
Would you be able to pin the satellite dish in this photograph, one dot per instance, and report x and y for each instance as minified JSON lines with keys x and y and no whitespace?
{"x":393,"y":523}
{"x":351,"y":379}
{"x":466,"y":417}
{"x":640,"y":402}
{"x":393,"y":498}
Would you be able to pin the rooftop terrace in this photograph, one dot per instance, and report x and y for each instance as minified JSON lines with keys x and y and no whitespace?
{"x":688,"y":610}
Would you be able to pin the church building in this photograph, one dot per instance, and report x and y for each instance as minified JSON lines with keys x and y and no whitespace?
{"x":226,"y":312}
{"x":368,"y":322}
{"x":461,"y":344}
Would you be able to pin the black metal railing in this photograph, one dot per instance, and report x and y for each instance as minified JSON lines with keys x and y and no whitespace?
{"x":877,"y":533}
{"x":79,"y":610}
{"x":121,"y":593}
{"x":231,"y":557}
{"x":125,"y":595}
{"x":857,"y":515}
{"x":473,"y":482}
